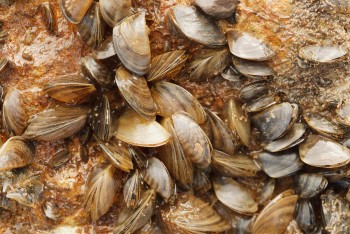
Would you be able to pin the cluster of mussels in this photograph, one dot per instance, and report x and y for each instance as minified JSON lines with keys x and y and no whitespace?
{"x":189,"y":170}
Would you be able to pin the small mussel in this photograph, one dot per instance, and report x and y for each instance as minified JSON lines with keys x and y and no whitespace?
{"x":132,"y":189}
{"x":97,"y":71}
{"x":309,"y":184}
{"x":48,"y":16}
{"x":218,"y":8}
{"x":130,"y":38}
{"x":201,"y":182}
{"x":59,"y":158}
{"x":3,"y":60}
{"x":253,"y":91}
{"x":252,"y":69}
{"x":74,"y":10}
{"x":102,"y":120}
{"x":105,"y":50}
{"x":248,"y":47}
{"x":195,"y":26}
{"x":114,"y":11}
{"x":305,"y":216}
{"x":262,"y":103}
{"x":322,"y":54}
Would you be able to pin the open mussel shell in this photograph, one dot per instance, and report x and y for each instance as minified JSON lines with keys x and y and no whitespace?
{"x":218,"y":8}
{"x":195,"y":25}
{"x":136,"y":130}
{"x":132,"y":189}
{"x":238,"y":121}
{"x":97,"y":71}
{"x":274,"y":121}
{"x":293,"y":137}
{"x":102,"y":119}
{"x":209,"y":63}
{"x":310,"y":184}
{"x":91,"y":28}
{"x":117,"y":153}
{"x":74,"y":10}
{"x":170,"y":98}
{"x":280,"y":164}
{"x":114,"y":11}
{"x":319,"y":151}
{"x":192,"y":215}
{"x":262,"y":103}
{"x":252,"y":69}
{"x":102,"y":190}
{"x":14,"y":115}
{"x":322,"y":54}
{"x":324,"y":125}
{"x":130,"y":38}
{"x":305,"y":216}
{"x":233,"y":165}
{"x":248,"y":47}
{"x":105,"y":50}
{"x":253,"y":91}
{"x":157,"y":177}
{"x":342,"y":6}
{"x":222,"y":138}
{"x":136,"y":92}
{"x":16,"y":152}
{"x":235,"y":196}
{"x":166,"y":65}
{"x":276,"y":215}
{"x":130,"y":220}
{"x":57,"y":123}
{"x":193,"y":140}
{"x":174,"y":158}
{"x":71,"y":89}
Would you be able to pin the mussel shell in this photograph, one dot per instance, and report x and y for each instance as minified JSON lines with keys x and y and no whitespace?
{"x":48,"y":16}
{"x":234,"y":195}
{"x":193,"y":140}
{"x":132,"y":190}
{"x":293,"y":137}
{"x":309,"y":185}
{"x":14,"y":115}
{"x":222,"y":138}
{"x":319,"y":151}
{"x":97,"y":71}
{"x":114,"y":11}
{"x":231,"y":74}
{"x":233,"y":165}
{"x":248,"y":47}
{"x":166,"y":65}
{"x":192,"y":215}
{"x":3,"y":61}
{"x":266,"y":192}
{"x":57,"y":123}
{"x":102,"y":121}
{"x":136,"y":92}
{"x":136,"y":130}
{"x":344,"y":114}
{"x":91,"y":28}
{"x":72,"y":89}
{"x":238,"y":121}
{"x":280,"y":164}
{"x":195,"y":26}
{"x":130,"y":38}
{"x":252,"y":69}
{"x":276,"y":215}
{"x":74,"y":10}
{"x":253,"y":91}
{"x":16,"y":152}
{"x":157,"y":177}
{"x":59,"y":158}
{"x":262,"y":103}
{"x":105,"y":50}
{"x":274,"y":121}
{"x":305,"y":216}
{"x":209,"y":63}
{"x":218,"y":8}
{"x":171,"y":98}
{"x":322,"y":54}
{"x":201,"y":182}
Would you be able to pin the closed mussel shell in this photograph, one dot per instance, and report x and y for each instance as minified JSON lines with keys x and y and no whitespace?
{"x":16,"y":152}
{"x":193,"y":140}
{"x":74,"y":10}
{"x":305,"y":216}
{"x":190,"y":214}
{"x":280,"y":164}
{"x":136,"y":130}
{"x":248,"y":47}
{"x":319,"y":151}
{"x":105,"y":50}
{"x":195,"y":25}
{"x":253,"y":69}
{"x":102,"y":119}
{"x":322,"y":54}
{"x":218,"y":8}
{"x":56,"y":123}
{"x":114,"y":11}
{"x":136,"y":92}
{"x":234,"y":195}
{"x":130,"y":38}
{"x":253,"y":91}
{"x":59,"y":158}
{"x":262,"y":102}
{"x":91,"y":28}
{"x":72,"y":89}
{"x":14,"y":115}
{"x":157,"y":177}
{"x":276,"y":215}
{"x":170,"y":98}
{"x":266,"y":192}
{"x":132,"y":189}
{"x":97,"y":71}
{"x":309,"y":184}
